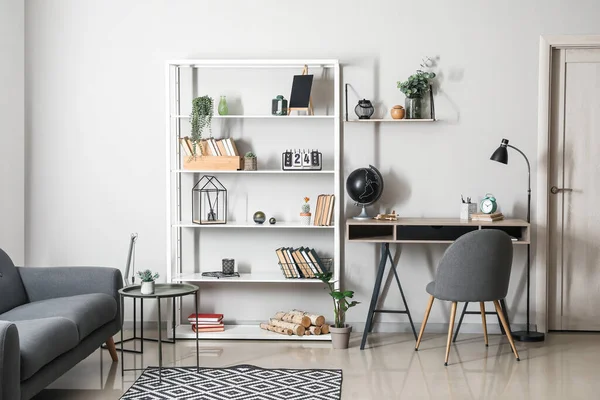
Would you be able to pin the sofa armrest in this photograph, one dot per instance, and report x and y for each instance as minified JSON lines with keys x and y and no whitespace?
{"x":53,"y":282}
{"x":10,"y":362}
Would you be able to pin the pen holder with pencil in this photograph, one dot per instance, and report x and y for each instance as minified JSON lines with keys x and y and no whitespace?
{"x":466,"y":210}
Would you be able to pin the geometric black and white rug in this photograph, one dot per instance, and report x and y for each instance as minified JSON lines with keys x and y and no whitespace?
{"x":241,"y":382}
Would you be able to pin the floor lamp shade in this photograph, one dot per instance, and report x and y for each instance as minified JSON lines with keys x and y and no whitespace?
{"x":501,"y":153}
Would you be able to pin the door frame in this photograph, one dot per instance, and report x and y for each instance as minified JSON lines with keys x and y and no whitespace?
{"x":542,"y":256}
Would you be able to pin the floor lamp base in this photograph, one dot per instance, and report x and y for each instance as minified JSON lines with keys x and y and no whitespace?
{"x":528,"y":336}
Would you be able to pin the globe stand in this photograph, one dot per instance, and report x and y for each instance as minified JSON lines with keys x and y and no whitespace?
{"x":363,"y":214}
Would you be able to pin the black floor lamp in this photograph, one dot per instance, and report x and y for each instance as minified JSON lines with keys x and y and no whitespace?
{"x":501,"y":155}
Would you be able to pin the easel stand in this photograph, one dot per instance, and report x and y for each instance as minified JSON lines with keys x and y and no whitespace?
{"x":309,"y":110}
{"x":385,"y":255}
{"x":141,"y":338}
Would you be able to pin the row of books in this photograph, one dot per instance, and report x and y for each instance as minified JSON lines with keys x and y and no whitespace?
{"x":324,"y":210}
{"x":302,"y":262}
{"x":207,"y":322}
{"x":210,"y":147}
{"x":493,"y":217}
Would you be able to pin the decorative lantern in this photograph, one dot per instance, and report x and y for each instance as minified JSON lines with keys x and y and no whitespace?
{"x":364,"y":109}
{"x":209,"y":201}
{"x":279,"y":106}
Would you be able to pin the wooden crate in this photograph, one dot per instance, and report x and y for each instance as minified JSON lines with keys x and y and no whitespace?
{"x":213,"y":163}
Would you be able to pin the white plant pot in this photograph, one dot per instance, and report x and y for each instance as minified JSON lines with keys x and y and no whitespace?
{"x":147,"y":287}
{"x":340,"y":337}
{"x":305,"y":218}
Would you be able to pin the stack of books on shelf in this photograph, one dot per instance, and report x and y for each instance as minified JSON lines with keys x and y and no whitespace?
{"x":207,"y":323}
{"x":324,"y":210}
{"x":210,"y":147}
{"x":302,"y":262}
{"x":497,"y":216}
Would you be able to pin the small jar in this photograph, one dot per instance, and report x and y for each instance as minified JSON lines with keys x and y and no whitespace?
{"x":397,"y":112}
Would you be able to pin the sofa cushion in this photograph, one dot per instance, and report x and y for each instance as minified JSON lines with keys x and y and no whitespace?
{"x":42,"y":340}
{"x":11,"y":287}
{"x":88,"y":311}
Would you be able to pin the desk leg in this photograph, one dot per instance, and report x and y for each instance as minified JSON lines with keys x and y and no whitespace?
{"x":159,"y":343}
{"x":375,"y":295}
{"x":412,"y":325}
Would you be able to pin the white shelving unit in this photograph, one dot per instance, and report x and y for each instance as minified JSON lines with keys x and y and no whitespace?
{"x":242,"y":229}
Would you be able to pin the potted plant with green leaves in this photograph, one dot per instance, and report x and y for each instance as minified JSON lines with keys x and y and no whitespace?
{"x":414,"y":88}
{"x":305,"y":214}
{"x":147,"y":278}
{"x":250,"y":163}
{"x":200,"y":119}
{"x":340,"y":331}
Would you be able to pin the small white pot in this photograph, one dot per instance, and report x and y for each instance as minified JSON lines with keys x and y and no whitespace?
{"x":305,"y":218}
{"x":147,"y":287}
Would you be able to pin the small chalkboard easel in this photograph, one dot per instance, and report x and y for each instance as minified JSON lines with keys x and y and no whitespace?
{"x":300,"y":99}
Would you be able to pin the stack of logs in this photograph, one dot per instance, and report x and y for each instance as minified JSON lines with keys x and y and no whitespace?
{"x":298,"y":323}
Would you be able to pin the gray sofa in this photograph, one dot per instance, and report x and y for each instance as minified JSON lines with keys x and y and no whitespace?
{"x":50,"y":320}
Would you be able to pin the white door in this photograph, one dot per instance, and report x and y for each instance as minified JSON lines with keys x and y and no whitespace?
{"x":574,"y":301}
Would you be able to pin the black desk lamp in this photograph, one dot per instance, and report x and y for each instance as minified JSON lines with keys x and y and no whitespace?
{"x":501,"y":155}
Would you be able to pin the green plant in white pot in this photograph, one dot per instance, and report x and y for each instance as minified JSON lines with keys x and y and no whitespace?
{"x":147,"y":278}
{"x":200,"y":119}
{"x":340,"y":331}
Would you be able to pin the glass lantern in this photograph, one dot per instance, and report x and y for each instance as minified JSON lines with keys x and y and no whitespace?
{"x":209,"y":201}
{"x":279,"y":106}
{"x":364,"y":109}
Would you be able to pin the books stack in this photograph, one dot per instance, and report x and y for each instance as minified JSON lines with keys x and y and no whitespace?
{"x":324,"y":210}
{"x":302,"y":262}
{"x":207,"y":322}
{"x":497,"y":216}
{"x":210,"y":147}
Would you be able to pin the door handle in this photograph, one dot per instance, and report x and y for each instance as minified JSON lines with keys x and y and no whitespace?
{"x":556,"y":190}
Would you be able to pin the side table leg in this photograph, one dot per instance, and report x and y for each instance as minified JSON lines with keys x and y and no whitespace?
{"x":375,"y":295}
{"x":142,"y":324}
{"x":197,"y":344}
{"x":122,"y":327}
{"x":159,"y":343}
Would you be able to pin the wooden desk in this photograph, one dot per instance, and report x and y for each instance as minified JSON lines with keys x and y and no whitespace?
{"x":421,"y":230}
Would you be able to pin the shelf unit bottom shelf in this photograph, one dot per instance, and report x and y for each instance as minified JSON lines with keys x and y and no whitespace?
{"x":242,"y":332}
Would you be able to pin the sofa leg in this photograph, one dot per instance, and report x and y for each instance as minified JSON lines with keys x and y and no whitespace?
{"x":110,"y":345}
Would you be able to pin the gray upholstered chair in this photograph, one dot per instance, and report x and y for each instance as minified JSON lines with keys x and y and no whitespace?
{"x":475,"y":268}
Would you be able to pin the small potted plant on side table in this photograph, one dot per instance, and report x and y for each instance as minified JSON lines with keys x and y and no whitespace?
{"x":340,"y":331}
{"x":147,"y":278}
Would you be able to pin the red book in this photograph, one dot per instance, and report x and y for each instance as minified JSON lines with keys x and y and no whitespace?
{"x":193,"y":322}
{"x":203,"y":326}
{"x":206,"y":317}
{"x":220,"y":329}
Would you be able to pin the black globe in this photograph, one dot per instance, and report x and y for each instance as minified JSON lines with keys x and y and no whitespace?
{"x":365,"y":185}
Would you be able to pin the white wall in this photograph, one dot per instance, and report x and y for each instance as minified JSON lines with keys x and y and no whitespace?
{"x":95,"y":101}
{"x":12,"y":131}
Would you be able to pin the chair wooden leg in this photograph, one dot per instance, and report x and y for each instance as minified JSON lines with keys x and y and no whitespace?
{"x":506,"y":329}
{"x":431,"y":298}
{"x":450,"y":329}
{"x":110,"y":345}
{"x":483,"y":321}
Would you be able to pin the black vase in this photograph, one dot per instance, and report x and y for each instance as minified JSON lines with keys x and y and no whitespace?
{"x":364,"y":109}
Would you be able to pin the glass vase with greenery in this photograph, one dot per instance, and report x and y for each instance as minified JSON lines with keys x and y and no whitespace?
{"x":200,"y":119}
{"x":414,"y":88}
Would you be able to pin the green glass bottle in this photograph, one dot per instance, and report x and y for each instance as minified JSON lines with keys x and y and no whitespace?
{"x":223,"y":109}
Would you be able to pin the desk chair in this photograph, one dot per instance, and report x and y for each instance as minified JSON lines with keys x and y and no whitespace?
{"x":475,"y":268}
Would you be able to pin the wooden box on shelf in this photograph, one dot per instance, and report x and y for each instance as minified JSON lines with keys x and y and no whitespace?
{"x":212,"y":163}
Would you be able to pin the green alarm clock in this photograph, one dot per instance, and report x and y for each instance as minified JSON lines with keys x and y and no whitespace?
{"x":488,"y":205}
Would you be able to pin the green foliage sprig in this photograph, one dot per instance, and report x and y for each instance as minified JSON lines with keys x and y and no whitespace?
{"x":147,"y":276}
{"x":340,"y":302}
{"x":417,"y":84}
{"x":200,"y":118}
{"x":250,"y":155}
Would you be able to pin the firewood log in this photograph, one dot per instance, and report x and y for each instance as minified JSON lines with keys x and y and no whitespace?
{"x":297,"y":329}
{"x":306,"y":333}
{"x":315,"y":330}
{"x":325,"y":329}
{"x":293,"y":318}
{"x":315,"y":319}
{"x":272,"y":328}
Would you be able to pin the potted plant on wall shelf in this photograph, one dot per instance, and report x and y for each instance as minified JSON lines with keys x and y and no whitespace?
{"x":414,"y":88}
{"x":250,"y":163}
{"x":147,"y":278}
{"x":200,"y":119}
{"x":340,"y":331}
{"x":305,"y":214}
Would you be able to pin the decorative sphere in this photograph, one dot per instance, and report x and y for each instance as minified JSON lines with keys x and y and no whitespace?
{"x":272,"y":221}
{"x":259,"y":217}
{"x":365,"y":185}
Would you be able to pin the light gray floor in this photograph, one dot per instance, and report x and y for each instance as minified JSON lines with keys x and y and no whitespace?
{"x":565,"y":366}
